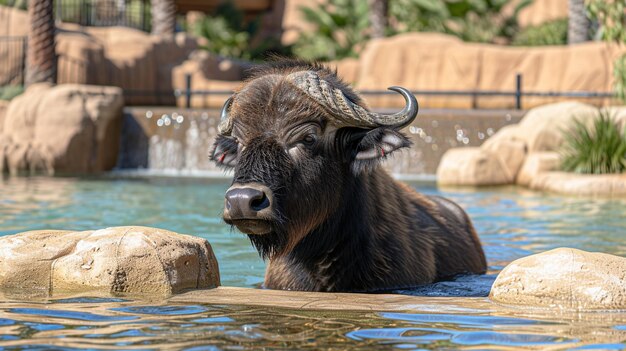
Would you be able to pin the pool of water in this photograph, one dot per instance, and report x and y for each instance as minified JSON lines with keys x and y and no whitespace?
{"x":511,"y":222}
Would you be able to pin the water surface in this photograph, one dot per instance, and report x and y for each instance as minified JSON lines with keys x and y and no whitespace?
{"x":512,"y":223}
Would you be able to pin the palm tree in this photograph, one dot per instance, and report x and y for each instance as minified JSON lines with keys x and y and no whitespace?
{"x":41,"y":60}
{"x":578,"y":23}
{"x":378,"y":17}
{"x":163,"y":17}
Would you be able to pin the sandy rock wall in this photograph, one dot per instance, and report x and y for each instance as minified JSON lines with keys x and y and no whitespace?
{"x":138,"y":63}
{"x":65,"y":128}
{"x":13,"y":24}
{"x":208,"y":73}
{"x":429,"y":61}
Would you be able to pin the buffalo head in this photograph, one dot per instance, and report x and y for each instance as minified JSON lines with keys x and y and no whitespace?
{"x":296,"y":135}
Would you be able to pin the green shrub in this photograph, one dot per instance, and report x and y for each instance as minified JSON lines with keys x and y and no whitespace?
{"x":483,"y":21}
{"x":611,"y":16}
{"x":340,"y":30}
{"x":229,"y":35}
{"x":619,"y":78}
{"x":598,"y":149}
{"x":20,"y":4}
{"x":549,"y":33}
{"x":10,"y":91}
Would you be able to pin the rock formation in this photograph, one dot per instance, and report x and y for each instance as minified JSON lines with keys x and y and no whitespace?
{"x":116,"y":260}
{"x":564,"y":278}
{"x":66,"y":128}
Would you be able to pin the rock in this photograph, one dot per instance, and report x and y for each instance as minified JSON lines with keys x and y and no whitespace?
{"x":347,"y":69}
{"x":472,"y":166}
{"x":133,"y":60}
{"x":510,"y":147}
{"x":66,"y":128}
{"x":594,"y":185}
{"x":564,"y":278}
{"x":543,"y":127}
{"x":450,"y":64}
{"x":117,"y":260}
{"x":208,"y":72}
{"x":3,"y":109}
{"x":536,"y":163}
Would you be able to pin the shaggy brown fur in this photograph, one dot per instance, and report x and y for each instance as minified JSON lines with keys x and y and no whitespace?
{"x":339,"y":223}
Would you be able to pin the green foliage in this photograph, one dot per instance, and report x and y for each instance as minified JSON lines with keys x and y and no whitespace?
{"x":597,"y":150}
{"x":20,"y":4}
{"x":229,"y":35}
{"x":471,"y":20}
{"x":10,"y":91}
{"x":549,"y":33}
{"x":619,"y":78}
{"x":611,"y":17}
{"x":340,"y":30}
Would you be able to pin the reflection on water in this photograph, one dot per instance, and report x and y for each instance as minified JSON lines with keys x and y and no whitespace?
{"x":512,"y":222}
{"x":109,"y":323}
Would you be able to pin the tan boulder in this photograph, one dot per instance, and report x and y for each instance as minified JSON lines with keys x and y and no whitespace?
{"x":543,"y":127}
{"x":537,"y":163}
{"x":472,"y":166}
{"x":564,"y":278}
{"x":594,"y":185}
{"x":66,"y":128}
{"x":117,"y":260}
{"x":3,"y":109}
{"x":510,"y":149}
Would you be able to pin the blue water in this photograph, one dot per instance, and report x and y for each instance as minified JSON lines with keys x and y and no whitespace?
{"x":512,"y":223}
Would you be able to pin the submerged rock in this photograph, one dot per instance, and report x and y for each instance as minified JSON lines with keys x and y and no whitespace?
{"x":564,"y":278}
{"x":117,"y":259}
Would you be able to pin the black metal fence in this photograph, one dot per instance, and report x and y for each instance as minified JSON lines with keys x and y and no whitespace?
{"x":518,"y":94}
{"x":12,"y":60}
{"x":101,"y":13}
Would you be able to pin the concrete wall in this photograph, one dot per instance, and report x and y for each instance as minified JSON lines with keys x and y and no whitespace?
{"x":178,"y":140}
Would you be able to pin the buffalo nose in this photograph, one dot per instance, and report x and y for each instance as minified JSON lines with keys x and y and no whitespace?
{"x":247,"y":201}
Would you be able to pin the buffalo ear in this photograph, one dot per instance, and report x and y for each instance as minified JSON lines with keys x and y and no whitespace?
{"x":224,"y":151}
{"x":377,"y":145}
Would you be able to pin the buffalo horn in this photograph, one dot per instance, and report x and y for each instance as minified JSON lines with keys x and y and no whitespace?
{"x":346,"y":112}
{"x":226,"y":124}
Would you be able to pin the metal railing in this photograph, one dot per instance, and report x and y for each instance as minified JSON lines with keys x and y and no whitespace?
{"x":518,"y":94}
{"x":104,"y":13}
{"x":12,"y":60}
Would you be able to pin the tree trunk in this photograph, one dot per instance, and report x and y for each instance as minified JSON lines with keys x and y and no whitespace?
{"x":578,"y":22}
{"x":378,"y":17}
{"x":41,"y":60}
{"x":163,"y":17}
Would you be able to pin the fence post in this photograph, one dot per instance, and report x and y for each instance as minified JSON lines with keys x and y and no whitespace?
{"x":143,"y":16}
{"x":188,"y":90}
{"x":518,"y":91}
{"x":59,"y":14}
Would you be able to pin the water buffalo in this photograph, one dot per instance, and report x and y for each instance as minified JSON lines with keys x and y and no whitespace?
{"x":310,"y":194}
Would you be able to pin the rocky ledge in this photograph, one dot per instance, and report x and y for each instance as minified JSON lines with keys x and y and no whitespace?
{"x":137,"y":260}
{"x":564,"y":278}
{"x":526,"y":154}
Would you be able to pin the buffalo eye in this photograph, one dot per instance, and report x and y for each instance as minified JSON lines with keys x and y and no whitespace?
{"x":309,"y":140}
